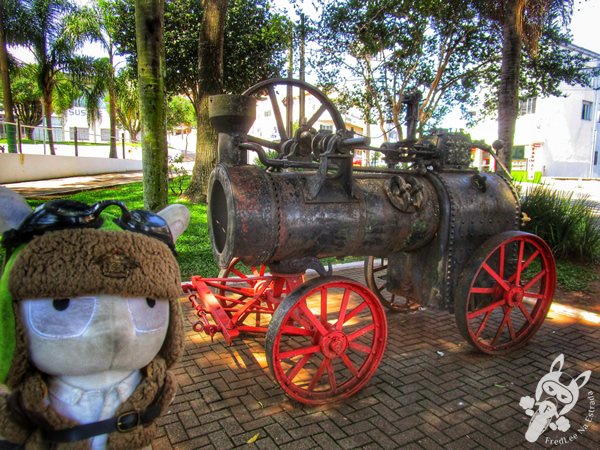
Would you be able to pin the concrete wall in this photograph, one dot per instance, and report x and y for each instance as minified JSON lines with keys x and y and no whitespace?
{"x":15,"y":168}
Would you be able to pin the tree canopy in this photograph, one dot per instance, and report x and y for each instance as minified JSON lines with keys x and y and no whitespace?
{"x":253,"y":46}
{"x":375,"y":53}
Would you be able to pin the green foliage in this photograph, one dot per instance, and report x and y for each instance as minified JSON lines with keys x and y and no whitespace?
{"x":253,"y":48}
{"x":400,"y":46}
{"x":26,"y":97}
{"x":255,"y":43}
{"x":95,"y":87}
{"x":65,"y":92}
{"x":180,"y":112}
{"x":450,"y":50}
{"x":177,"y":175}
{"x":127,"y":103}
{"x":13,"y":21}
{"x":575,"y":277}
{"x":566,"y":223}
{"x":544,"y":64}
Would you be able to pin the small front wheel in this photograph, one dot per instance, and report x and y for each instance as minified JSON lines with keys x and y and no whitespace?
{"x":326,"y":340}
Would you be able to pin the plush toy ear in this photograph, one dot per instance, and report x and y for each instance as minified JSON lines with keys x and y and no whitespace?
{"x":560,"y":359}
{"x":13,"y":209}
{"x":178,"y":218}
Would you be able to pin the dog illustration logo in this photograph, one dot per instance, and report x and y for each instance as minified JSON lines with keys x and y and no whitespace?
{"x":556,"y":394}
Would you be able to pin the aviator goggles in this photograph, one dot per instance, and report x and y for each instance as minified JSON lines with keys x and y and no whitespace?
{"x":63,"y":214}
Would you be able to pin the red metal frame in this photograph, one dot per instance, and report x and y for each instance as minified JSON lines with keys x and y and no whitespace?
{"x":232,"y":300}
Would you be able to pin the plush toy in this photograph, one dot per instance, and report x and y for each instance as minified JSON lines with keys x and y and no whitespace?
{"x":90,"y":324}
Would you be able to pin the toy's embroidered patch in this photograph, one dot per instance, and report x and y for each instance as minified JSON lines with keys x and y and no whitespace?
{"x":117,"y":265}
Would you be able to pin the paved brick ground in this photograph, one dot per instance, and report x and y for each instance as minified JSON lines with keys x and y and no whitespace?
{"x":417,"y":398}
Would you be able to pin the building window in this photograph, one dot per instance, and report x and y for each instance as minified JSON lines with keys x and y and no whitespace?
{"x":326,"y":128}
{"x":527,"y":106}
{"x":268,"y":113}
{"x":83,"y":134}
{"x":586,"y":111}
{"x":105,"y":134}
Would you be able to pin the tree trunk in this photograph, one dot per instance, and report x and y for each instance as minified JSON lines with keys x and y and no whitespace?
{"x":9,"y":117}
{"x":112,"y":108}
{"x":508,"y":92}
{"x":47,"y":101}
{"x":210,"y":75}
{"x":149,"y":36}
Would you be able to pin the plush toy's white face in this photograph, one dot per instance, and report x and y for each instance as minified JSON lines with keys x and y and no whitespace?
{"x":92,"y":334}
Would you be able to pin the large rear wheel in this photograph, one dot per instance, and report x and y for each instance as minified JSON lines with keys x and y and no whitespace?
{"x":505,"y":292}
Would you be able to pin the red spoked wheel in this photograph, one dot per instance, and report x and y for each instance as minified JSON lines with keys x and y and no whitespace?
{"x":326,"y":340}
{"x":505,"y":292}
{"x":376,"y":277}
{"x":246,"y":293}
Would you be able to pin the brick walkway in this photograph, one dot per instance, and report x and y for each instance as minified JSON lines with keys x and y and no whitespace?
{"x":430,"y":391}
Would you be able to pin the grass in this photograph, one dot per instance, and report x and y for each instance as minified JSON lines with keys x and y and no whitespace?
{"x":194,"y":252}
{"x":572,"y":276}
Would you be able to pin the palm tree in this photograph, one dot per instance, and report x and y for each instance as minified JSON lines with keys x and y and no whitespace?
{"x":127,"y":104}
{"x":53,"y":36}
{"x":93,"y":92}
{"x":11,"y":31}
{"x":522,"y":23}
{"x":98,"y":23}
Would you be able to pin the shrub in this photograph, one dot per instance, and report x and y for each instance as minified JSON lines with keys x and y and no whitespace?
{"x":177,"y":174}
{"x":566,"y":223}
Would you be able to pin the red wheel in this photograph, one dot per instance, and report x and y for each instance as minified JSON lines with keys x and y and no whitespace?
{"x":505,"y":291}
{"x":376,"y":277}
{"x":243,"y":295}
{"x":326,"y":340}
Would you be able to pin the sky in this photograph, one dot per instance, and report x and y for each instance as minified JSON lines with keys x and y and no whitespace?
{"x":584,"y":25}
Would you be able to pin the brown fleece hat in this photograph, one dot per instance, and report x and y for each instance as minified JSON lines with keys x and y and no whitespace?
{"x":75,"y":262}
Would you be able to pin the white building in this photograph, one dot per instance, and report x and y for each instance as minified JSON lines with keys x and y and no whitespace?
{"x":556,"y":136}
